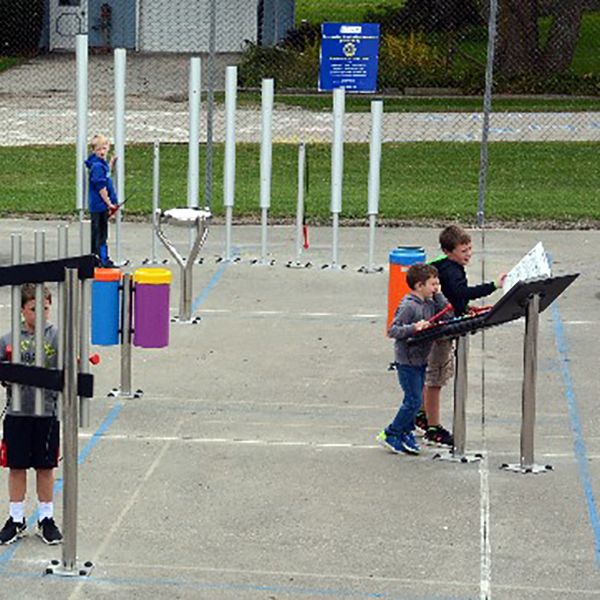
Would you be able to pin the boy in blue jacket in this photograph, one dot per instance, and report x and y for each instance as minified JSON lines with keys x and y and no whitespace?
{"x":102,"y":197}
{"x":412,"y":315}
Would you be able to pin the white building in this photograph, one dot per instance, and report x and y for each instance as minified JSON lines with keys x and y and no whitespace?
{"x":166,"y":25}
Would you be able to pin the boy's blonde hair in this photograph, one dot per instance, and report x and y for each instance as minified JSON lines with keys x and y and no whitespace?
{"x":97,"y":141}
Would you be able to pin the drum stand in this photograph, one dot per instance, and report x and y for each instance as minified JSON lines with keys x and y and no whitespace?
{"x":194,"y":219}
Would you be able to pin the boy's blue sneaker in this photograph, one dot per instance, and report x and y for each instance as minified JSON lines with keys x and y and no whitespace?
{"x":408,"y":444}
{"x":404,"y":443}
{"x":389,"y":442}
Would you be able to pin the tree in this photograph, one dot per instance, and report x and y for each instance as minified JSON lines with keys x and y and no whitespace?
{"x":519,"y":51}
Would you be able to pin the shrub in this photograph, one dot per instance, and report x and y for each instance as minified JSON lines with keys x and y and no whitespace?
{"x":21,"y":26}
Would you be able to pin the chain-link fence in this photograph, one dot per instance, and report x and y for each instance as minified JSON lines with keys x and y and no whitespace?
{"x":431,"y":69}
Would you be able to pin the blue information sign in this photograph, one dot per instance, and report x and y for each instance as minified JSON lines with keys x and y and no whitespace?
{"x":349,"y":56}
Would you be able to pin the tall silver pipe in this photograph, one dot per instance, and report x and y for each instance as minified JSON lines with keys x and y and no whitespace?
{"x":15,"y":244}
{"x":266,"y":159}
{"x":81,"y":54}
{"x":120,"y":58}
{"x":70,"y":422}
{"x":337,"y":166}
{"x":40,"y":322}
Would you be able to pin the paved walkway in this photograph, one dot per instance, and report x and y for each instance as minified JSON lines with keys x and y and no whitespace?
{"x":37,"y":106}
{"x":249,"y":470}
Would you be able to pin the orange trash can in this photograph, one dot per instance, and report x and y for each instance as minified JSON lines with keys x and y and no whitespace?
{"x":400,"y":260}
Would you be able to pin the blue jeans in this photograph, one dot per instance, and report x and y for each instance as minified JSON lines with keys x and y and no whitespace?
{"x":412,"y":380}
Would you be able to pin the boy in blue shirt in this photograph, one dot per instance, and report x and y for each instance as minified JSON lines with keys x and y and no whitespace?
{"x":412,"y":315}
{"x":102,"y":197}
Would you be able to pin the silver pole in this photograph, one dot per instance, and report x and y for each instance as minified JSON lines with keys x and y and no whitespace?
{"x":155,"y":195}
{"x":84,"y":348}
{"x":459,"y":424}
{"x":300,"y":198}
{"x":193,"y":143}
{"x":126,"y":337}
{"x":529,"y":381}
{"x":210,"y":102}
{"x":334,"y":245}
{"x":15,"y":243}
{"x":374,"y":175}
{"x":266,"y":160}
{"x":120,"y":77}
{"x":40,"y":322}
{"x":70,"y":421}
{"x":487,"y":107}
{"x":230,"y":148}
{"x":371,"y":259}
{"x":337,"y":166}
{"x":62,"y":252}
{"x":81,"y":57}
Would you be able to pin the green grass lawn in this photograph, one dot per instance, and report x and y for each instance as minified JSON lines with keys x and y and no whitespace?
{"x":527,"y":181}
{"x":6,"y":62}
{"x":362,"y":103}
{"x":337,"y":11}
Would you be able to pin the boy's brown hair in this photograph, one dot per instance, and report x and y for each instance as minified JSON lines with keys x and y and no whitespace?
{"x":453,"y":236}
{"x":28,"y":293}
{"x":419,"y":273}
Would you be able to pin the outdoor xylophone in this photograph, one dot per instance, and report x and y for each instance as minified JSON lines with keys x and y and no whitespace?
{"x":511,"y":306}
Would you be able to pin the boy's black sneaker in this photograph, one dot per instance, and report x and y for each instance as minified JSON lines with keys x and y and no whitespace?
{"x":421,"y":421}
{"x":12,"y":531}
{"x":438,"y":436}
{"x":49,"y":532}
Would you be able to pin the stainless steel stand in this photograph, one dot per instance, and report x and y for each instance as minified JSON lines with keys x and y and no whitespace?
{"x":191,"y":218}
{"x":459,"y":422}
{"x":528,"y":395}
{"x":124,"y":391}
{"x":69,"y":567}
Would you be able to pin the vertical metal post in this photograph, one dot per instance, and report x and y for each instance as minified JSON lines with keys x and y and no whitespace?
{"x":120,"y":77}
{"x":70,"y":421}
{"x":194,"y":123}
{"x":155,"y":195}
{"x":84,"y":348}
{"x":68,"y":567}
{"x":528,"y":392}
{"x":40,"y":321}
{"x":266,"y":161}
{"x":374,"y":181}
{"x":81,"y":54}
{"x":15,"y":243}
{"x":528,"y":397}
{"x":126,"y":337}
{"x":229,"y":167}
{"x":210,"y":101}
{"x":62,"y":252}
{"x":300,"y":198}
{"x":337,"y":167}
{"x":459,"y":424}
{"x":487,"y":107}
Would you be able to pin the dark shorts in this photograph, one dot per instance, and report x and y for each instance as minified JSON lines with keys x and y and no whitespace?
{"x":31,"y":442}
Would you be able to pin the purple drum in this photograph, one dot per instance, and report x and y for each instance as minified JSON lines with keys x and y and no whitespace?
{"x":151,"y":308}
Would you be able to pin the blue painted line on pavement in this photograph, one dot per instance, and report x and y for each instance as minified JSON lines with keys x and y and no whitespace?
{"x":201,"y":297}
{"x":574,"y":415}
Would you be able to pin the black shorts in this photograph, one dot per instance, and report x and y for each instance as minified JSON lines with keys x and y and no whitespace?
{"x":31,"y":442}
